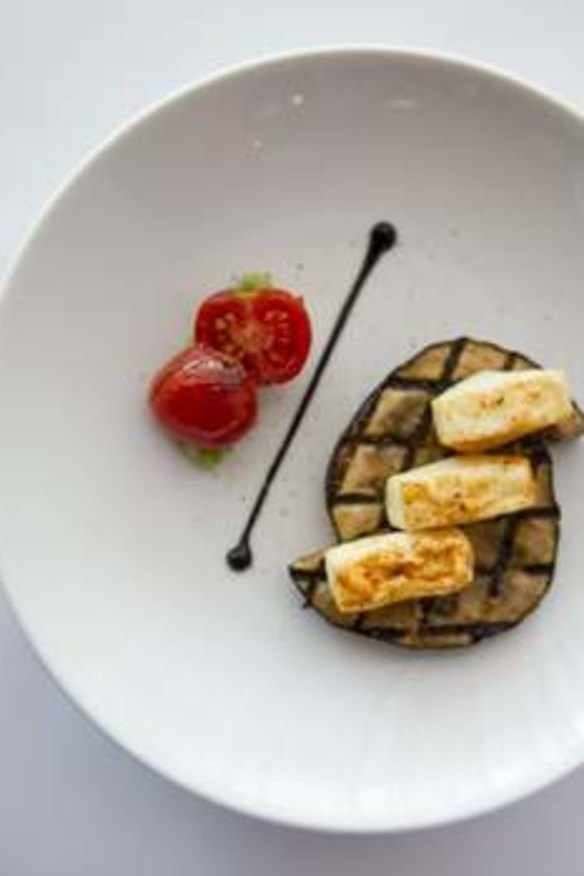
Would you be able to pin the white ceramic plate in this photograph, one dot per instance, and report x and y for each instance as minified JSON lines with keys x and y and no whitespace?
{"x":112,"y":545}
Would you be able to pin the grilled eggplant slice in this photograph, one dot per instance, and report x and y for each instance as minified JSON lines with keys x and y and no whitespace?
{"x":392,"y":432}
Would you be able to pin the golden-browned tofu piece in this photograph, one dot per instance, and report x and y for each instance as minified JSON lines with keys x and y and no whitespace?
{"x":494,"y":408}
{"x":460,"y":489}
{"x":382,"y":569}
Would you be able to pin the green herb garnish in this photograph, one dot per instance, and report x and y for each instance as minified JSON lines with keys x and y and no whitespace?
{"x":205,"y":457}
{"x":253,"y":281}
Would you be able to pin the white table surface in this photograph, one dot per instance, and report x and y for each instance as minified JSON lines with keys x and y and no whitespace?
{"x":71,"y":802}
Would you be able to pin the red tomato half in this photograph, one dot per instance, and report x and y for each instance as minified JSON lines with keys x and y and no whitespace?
{"x":204,"y":397}
{"x":267,"y":330}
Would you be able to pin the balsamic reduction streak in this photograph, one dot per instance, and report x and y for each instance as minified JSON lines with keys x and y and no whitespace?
{"x":382,"y":238}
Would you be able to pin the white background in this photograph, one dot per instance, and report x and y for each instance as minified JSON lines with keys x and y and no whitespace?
{"x":71,"y":802}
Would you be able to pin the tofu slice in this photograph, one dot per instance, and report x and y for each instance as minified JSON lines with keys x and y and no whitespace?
{"x":493,"y":408}
{"x":460,"y":489}
{"x":381,"y":569}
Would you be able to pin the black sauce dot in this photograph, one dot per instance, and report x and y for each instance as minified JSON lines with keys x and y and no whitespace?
{"x":240,"y":557}
{"x":383,"y":236}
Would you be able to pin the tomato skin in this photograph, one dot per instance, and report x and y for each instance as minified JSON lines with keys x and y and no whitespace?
{"x":204,"y":397}
{"x":268,"y":330}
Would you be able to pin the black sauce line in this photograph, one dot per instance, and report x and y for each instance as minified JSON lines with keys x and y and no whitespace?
{"x":382,"y":238}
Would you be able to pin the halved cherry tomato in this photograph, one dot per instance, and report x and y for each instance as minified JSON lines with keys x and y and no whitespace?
{"x":204,"y":397}
{"x":267,"y":330}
